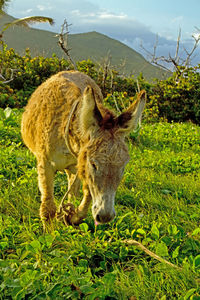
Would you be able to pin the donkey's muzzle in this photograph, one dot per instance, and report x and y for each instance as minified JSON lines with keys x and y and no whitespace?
{"x":102,"y":217}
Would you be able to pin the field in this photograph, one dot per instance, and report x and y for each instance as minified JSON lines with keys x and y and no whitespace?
{"x":157,"y":204}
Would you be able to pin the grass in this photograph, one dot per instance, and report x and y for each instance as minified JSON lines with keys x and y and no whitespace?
{"x":157,"y":203}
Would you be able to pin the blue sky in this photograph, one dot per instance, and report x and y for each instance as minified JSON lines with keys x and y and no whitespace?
{"x":130,"y":21}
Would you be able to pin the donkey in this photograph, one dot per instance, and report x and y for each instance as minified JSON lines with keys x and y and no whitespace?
{"x":67,"y":127}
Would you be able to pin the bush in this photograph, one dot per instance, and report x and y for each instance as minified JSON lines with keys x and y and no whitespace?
{"x":28,"y":74}
{"x":31,"y":72}
{"x":178,"y":97}
{"x":174,"y":99}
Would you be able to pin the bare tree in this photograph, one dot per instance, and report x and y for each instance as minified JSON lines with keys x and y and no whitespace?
{"x":173,"y":63}
{"x":63,"y":42}
{"x":106,"y":70}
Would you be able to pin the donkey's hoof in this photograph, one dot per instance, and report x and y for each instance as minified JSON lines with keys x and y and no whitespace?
{"x":66,"y":212}
{"x":76,"y":219}
{"x":69,"y":215}
{"x":47,"y":213}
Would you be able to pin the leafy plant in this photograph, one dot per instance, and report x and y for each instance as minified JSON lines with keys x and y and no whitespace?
{"x":28,"y":74}
{"x":178,"y":96}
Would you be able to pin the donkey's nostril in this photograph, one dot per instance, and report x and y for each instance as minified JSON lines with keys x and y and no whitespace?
{"x":98,"y":219}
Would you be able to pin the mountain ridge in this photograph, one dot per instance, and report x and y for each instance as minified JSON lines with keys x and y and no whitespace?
{"x":91,"y":45}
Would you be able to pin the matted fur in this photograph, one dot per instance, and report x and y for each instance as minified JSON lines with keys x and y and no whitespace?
{"x":95,"y":134}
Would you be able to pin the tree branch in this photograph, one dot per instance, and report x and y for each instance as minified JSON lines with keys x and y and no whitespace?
{"x":63,"y":42}
{"x":4,"y":80}
{"x":175,"y":61}
{"x":150,"y":253}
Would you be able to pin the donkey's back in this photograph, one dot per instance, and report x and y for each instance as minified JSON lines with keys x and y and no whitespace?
{"x":47,"y":111}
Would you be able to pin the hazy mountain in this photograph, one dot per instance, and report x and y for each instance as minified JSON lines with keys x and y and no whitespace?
{"x":92,"y":45}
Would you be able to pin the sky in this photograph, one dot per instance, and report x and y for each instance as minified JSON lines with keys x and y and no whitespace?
{"x":133,"y":22}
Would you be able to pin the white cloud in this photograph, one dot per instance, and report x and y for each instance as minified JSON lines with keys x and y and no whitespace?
{"x":28,"y":11}
{"x":40,"y":7}
{"x":111,"y":16}
{"x":76,"y":12}
{"x":44,"y":7}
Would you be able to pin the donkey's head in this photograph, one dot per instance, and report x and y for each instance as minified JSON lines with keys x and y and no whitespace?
{"x":104,"y":154}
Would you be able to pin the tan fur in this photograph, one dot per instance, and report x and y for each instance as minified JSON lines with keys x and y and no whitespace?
{"x":94,"y":135}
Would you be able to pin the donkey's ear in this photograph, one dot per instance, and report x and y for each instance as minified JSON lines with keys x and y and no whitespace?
{"x":130,"y":119}
{"x":90,"y":115}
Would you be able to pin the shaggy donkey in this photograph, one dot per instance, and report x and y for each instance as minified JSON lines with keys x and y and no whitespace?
{"x":67,"y":128}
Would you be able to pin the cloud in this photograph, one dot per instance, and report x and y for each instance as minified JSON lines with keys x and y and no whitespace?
{"x":40,"y":7}
{"x":119,"y":26}
{"x":116,"y":25}
{"x":28,"y":11}
{"x":110,"y":16}
{"x":45,"y":8}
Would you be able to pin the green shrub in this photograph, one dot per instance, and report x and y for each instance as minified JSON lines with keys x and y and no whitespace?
{"x":174,"y":99}
{"x":87,"y":67}
{"x":178,"y":97}
{"x":28,"y":74}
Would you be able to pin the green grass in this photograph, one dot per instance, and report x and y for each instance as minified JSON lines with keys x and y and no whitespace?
{"x":157,"y":203}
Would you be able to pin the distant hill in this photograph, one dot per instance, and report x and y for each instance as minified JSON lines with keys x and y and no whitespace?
{"x":91,"y":45}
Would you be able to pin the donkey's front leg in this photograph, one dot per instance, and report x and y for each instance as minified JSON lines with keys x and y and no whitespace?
{"x":74,"y":184}
{"x":82,"y":210}
{"x":45,"y":181}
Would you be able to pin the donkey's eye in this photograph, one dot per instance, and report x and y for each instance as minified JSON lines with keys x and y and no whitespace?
{"x":94,"y":166}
